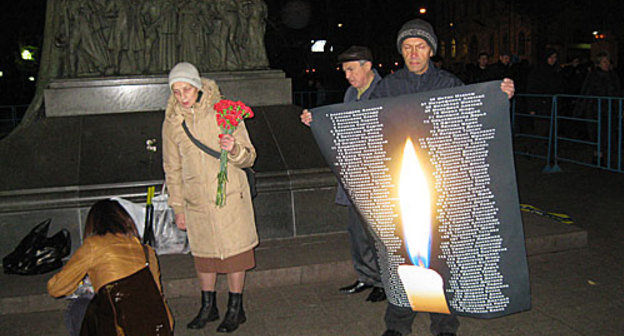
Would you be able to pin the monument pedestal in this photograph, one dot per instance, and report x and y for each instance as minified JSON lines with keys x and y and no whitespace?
{"x":59,"y":166}
{"x":90,"y":96}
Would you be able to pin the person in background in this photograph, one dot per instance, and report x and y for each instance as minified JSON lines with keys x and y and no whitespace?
{"x":481,"y":72}
{"x":573,"y":74}
{"x":502,"y":68}
{"x":417,"y":43}
{"x":222,"y":239}
{"x":546,"y":78}
{"x":357,"y":64}
{"x":601,"y":81}
{"x":438,"y":61}
{"x":115,"y":261}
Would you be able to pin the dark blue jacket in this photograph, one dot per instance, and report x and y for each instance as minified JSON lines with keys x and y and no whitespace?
{"x":405,"y":82}
{"x":349,"y":97}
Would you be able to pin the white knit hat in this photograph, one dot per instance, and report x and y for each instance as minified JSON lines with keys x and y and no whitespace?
{"x":185,"y":72}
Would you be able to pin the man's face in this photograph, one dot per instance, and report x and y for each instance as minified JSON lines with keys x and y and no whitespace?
{"x":356,"y":73}
{"x":604,"y":64}
{"x":185,"y":93}
{"x":416,"y":54}
{"x":483,"y":61}
{"x":552,"y":59}
{"x":505,"y":59}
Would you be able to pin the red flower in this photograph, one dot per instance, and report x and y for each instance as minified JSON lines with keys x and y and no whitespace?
{"x":221,"y":122}
{"x":223,"y":104}
{"x":248,"y":112}
{"x":229,"y":114}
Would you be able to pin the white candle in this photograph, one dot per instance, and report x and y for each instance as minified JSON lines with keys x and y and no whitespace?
{"x":424,"y":288}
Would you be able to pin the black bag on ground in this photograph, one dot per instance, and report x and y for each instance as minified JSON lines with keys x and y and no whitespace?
{"x":38,"y":254}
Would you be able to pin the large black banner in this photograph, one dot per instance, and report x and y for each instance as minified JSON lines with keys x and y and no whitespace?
{"x":433,"y":176}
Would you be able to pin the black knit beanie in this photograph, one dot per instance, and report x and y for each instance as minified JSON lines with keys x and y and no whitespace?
{"x":418,"y":28}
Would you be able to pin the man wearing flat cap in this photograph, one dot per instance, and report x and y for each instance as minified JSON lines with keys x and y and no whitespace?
{"x":417,"y":43}
{"x":357,"y":64}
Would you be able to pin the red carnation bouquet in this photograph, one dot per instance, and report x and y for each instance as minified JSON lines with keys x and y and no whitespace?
{"x":229,"y":115}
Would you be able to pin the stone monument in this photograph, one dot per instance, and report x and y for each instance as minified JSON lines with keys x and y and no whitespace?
{"x":92,"y":130}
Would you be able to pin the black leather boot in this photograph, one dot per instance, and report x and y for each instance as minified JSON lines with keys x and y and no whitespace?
{"x":235,"y":315}
{"x":208,"y":311}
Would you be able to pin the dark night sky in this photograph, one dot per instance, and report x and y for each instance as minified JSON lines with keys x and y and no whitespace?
{"x":21,"y":23}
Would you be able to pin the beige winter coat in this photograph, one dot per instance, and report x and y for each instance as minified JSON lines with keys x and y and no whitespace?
{"x":191,"y":177}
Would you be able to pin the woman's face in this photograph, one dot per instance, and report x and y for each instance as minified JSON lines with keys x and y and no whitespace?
{"x":604,"y":64}
{"x":185,"y":93}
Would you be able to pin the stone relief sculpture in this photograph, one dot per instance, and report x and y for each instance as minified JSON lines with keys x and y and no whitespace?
{"x":211,"y":56}
{"x":167,"y":35}
{"x":137,"y":37}
{"x":228,"y":12}
{"x":189,"y":34}
{"x":119,"y":34}
{"x":131,"y":37}
{"x":81,"y":35}
{"x":148,"y":18}
{"x":255,"y":48}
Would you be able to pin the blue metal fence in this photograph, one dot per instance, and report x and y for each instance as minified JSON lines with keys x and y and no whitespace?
{"x":10,"y":117}
{"x":585,"y":130}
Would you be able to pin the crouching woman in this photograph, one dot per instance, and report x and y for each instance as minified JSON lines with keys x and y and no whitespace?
{"x":124,"y":273}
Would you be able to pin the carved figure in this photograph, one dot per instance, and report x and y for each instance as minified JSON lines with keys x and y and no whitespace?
{"x":189,"y":34}
{"x":255,"y":49}
{"x":230,"y":52}
{"x":210,"y":26}
{"x":149,"y":18}
{"x":167,"y":34}
{"x":137,"y":37}
{"x":119,"y":35}
{"x":81,"y":33}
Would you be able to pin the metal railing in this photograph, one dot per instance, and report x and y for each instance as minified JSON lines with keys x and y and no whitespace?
{"x":585,"y":130}
{"x":10,"y":117}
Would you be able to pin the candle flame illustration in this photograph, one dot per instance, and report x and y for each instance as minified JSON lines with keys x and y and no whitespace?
{"x":415,"y":207}
{"x":424,"y":286}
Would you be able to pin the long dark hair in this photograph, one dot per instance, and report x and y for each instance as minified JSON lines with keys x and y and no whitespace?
{"x":108,"y":216}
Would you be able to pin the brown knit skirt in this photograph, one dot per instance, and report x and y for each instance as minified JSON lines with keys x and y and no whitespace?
{"x":238,"y":263}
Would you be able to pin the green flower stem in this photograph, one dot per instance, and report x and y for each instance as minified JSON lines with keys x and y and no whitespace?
{"x":222,"y":176}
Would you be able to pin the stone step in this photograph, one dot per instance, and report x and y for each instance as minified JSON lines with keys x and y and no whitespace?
{"x":280,"y":262}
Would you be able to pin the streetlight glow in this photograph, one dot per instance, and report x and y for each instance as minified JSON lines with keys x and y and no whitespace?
{"x":27,"y":55}
{"x":422,"y":10}
{"x":31,"y":78}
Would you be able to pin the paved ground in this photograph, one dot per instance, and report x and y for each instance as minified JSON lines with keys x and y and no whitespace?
{"x":574,"y":292}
